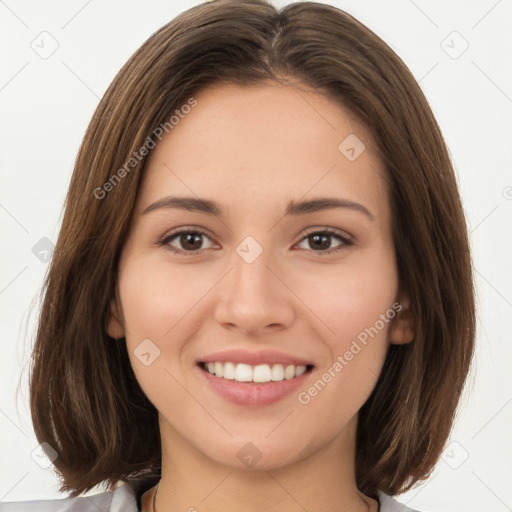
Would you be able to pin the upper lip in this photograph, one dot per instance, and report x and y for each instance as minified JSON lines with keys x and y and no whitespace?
{"x":254,"y":358}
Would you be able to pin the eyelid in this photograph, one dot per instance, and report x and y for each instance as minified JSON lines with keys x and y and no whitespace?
{"x":332,"y":231}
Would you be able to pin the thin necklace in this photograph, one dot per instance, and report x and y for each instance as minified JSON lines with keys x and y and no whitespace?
{"x":158,"y":486}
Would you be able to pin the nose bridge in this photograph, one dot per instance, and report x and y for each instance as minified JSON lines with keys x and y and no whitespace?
{"x":251,"y":276}
{"x":253,"y":297}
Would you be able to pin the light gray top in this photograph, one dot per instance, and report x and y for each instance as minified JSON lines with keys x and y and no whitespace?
{"x":123,"y":499}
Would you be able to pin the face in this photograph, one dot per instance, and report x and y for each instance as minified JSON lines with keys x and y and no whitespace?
{"x":260,"y":274}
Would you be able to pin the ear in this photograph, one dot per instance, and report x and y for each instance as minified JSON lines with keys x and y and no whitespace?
{"x":402,"y":329}
{"x":115,"y":325}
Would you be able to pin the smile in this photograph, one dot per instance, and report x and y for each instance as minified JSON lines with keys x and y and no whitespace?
{"x":253,"y":385}
{"x":260,"y":373}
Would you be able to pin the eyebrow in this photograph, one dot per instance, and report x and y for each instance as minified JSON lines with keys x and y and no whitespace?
{"x":194,"y":204}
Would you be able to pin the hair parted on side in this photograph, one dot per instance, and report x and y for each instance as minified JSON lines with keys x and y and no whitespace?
{"x":85,"y":400}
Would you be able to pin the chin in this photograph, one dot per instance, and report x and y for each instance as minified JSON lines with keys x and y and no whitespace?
{"x":259,"y":453}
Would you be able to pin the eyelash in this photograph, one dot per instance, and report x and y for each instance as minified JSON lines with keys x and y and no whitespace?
{"x":347,"y":242}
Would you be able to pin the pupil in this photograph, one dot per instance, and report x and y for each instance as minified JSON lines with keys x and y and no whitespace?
{"x":317,"y":238}
{"x":190,"y":238}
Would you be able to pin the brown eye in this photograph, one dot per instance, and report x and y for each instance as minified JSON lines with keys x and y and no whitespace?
{"x":321,"y":241}
{"x":191,"y":241}
{"x":185,"y":241}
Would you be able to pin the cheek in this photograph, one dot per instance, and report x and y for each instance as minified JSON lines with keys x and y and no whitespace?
{"x":356,"y":306}
{"x":357,"y":351}
{"x":157,"y":301}
{"x":364,"y":309}
{"x":352,"y":297}
{"x":156,"y":296}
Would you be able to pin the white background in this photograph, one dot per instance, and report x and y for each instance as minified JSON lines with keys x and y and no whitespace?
{"x":46,"y":105}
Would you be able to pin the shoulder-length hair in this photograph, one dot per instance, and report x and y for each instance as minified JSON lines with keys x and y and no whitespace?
{"x":85,"y":400}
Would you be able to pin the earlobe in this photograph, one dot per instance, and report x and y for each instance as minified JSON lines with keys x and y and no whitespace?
{"x":402,"y":328}
{"x":115,"y":327}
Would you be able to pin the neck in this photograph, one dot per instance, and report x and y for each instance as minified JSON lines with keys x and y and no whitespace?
{"x":324,"y":480}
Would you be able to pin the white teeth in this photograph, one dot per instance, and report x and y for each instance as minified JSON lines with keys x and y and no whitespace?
{"x":219,"y":369}
{"x":277,"y":372}
{"x":243,"y":373}
{"x":261,"y":373}
{"x":299,"y":371}
{"x":229,"y":371}
{"x":289,"y":372}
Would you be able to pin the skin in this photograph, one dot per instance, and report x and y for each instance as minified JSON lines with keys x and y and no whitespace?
{"x":253,"y":150}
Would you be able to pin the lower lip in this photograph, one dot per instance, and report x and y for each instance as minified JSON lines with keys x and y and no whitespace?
{"x":253,"y":394}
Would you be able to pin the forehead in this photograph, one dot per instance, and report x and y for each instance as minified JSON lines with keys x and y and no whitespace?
{"x":263,"y":145}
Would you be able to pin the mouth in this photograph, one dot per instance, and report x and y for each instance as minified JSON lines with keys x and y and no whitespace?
{"x":253,"y":385}
{"x":254,"y":374}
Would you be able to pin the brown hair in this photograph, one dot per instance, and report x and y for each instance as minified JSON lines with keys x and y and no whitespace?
{"x":85,"y":400}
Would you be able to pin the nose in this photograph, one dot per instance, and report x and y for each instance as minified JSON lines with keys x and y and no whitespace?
{"x":254,"y":298}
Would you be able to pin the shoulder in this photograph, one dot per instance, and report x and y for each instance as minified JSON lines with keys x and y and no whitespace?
{"x":389,"y":504}
{"x":121,"y":499}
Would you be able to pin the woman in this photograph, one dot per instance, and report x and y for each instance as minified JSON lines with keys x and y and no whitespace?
{"x":261,"y":296}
